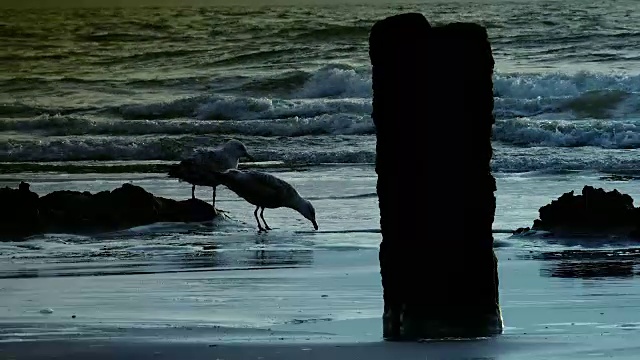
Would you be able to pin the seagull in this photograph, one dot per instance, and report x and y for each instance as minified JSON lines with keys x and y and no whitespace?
{"x":266,"y":191}
{"x":197,"y":169}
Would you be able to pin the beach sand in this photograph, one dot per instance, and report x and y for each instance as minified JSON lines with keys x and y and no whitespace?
{"x":502,"y":348}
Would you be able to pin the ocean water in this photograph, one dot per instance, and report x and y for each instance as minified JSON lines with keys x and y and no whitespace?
{"x":91,"y":98}
{"x":294,"y":83}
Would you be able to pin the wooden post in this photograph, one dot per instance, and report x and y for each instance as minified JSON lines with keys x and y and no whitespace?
{"x":432,"y":108}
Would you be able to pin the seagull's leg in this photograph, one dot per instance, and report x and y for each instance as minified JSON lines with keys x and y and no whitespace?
{"x":265,"y":221}
{"x":255,"y":213}
{"x":193,"y":191}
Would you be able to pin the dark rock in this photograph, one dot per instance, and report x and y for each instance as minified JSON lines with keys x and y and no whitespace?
{"x":24,"y":213}
{"x":190,"y":210}
{"x":595,"y":212}
{"x":24,"y":187}
{"x":522,"y":230}
{"x":19,"y":212}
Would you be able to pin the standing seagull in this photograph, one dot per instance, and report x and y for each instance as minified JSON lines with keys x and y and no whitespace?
{"x":198,"y":169}
{"x":266,"y":191}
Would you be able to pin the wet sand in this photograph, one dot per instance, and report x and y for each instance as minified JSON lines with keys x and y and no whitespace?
{"x":223,"y":292}
{"x":502,"y":347}
{"x":551,"y":309}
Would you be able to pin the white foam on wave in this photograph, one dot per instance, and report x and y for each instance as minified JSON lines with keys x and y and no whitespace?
{"x":344,"y":81}
{"x":545,"y":97}
{"x":341,"y":88}
{"x":526,"y":132}
{"x":229,"y":107}
{"x":553,"y":160}
{"x":332,"y":81}
{"x":345,"y":90}
{"x":575,"y":96}
{"x":61,"y":125}
{"x":79,"y":148}
{"x":559,"y":133}
{"x":560,"y":85}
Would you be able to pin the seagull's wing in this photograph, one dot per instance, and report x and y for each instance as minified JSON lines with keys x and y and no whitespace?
{"x":216,"y":160}
{"x":268,"y":181}
{"x":182,"y":169}
{"x":259,"y":188}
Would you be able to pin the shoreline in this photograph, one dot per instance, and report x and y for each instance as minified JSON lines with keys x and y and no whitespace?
{"x":500,"y":347}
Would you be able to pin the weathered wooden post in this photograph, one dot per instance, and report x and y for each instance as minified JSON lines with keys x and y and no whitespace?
{"x":432,"y":108}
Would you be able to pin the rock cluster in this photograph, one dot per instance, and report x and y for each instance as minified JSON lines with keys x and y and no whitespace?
{"x":24,"y":213}
{"x":595,"y":212}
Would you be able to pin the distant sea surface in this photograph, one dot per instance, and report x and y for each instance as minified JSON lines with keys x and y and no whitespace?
{"x":294,"y":83}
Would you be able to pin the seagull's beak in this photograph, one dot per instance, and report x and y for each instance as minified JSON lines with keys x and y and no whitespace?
{"x":315,"y":224}
{"x":249,"y":157}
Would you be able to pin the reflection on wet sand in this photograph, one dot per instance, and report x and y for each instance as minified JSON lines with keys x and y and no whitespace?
{"x":588,"y":264}
{"x":198,"y":261}
{"x":293,"y":258}
{"x":588,"y":269}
